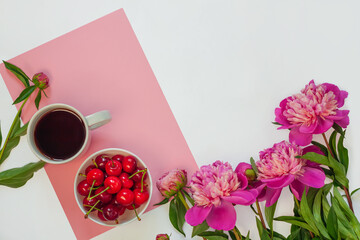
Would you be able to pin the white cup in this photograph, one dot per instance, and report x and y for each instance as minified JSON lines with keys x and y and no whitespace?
{"x":90,"y":122}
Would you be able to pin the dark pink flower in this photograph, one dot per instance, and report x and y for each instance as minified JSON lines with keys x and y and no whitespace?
{"x":312,"y":111}
{"x":41,"y":80}
{"x":215,"y":189}
{"x":171,"y":182}
{"x":278,"y":167}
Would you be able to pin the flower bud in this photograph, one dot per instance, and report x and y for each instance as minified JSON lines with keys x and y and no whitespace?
{"x":171,"y":182}
{"x":162,"y":237}
{"x":40,"y":80}
{"x":250,"y":174}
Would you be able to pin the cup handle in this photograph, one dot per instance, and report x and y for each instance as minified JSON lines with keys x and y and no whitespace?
{"x":98,"y":119}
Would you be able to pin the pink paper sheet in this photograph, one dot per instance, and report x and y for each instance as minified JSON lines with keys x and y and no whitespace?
{"x":96,"y":67}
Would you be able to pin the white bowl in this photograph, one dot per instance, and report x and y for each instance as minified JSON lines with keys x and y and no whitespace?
{"x":129,"y":215}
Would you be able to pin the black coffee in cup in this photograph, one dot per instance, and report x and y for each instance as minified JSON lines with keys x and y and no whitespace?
{"x":59,"y":134}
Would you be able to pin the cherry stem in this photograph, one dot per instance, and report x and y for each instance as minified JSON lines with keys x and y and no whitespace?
{"x":95,"y":163}
{"x":85,"y":205}
{"x":348,"y":197}
{"x":183,"y":200}
{"x":87,"y":214}
{"x":99,"y":193}
{"x":144,"y":170}
{"x":139,"y":219}
{"x":260,"y":214}
{"x":142,"y":180}
{"x":92,"y":185}
{"x":81,"y":174}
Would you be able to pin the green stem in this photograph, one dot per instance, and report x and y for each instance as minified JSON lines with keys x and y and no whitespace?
{"x":348,"y":197}
{"x":11,"y":130}
{"x":260,"y":215}
{"x":183,"y":200}
{"x":236,"y":234}
{"x":98,"y":193}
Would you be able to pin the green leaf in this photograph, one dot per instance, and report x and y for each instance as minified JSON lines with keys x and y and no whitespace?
{"x":265,"y":236}
{"x":337,"y":128}
{"x":199,"y":229}
{"x":173,"y":216}
{"x":317,"y":215}
{"x":276,"y":123}
{"x":25,"y":94}
{"x":17,"y":124}
{"x":322,"y":147}
{"x":349,"y":214}
{"x":269,"y":215}
{"x":18,"y":73}
{"x":332,"y":223}
{"x":307,"y":214}
{"x":354,"y":191}
{"x":332,"y":144}
{"x":37,"y":99}
{"x":314,"y":157}
{"x":343,"y":153}
{"x":164,"y":201}
{"x":294,"y":235}
{"x":253,"y":165}
{"x":248,"y":236}
{"x":259,"y":226}
{"x":298,"y":221}
{"x":214,"y":235}
{"x":339,"y":171}
{"x":12,"y":143}
{"x":188,"y":197}
{"x":344,"y":226}
{"x":17,"y":177}
{"x":21,"y":131}
{"x":0,"y":136}
{"x":181,"y":211}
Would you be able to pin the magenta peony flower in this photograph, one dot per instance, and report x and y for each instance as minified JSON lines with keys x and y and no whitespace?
{"x":171,"y":182}
{"x":41,"y":80}
{"x":313,"y":111}
{"x":162,"y":237}
{"x":278,"y":167}
{"x":215,"y":188}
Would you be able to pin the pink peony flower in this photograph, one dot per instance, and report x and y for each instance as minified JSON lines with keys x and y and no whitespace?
{"x":278,"y":167}
{"x":215,"y":188}
{"x":41,"y":80}
{"x":171,"y":182}
{"x":312,"y":111}
{"x":162,"y":237}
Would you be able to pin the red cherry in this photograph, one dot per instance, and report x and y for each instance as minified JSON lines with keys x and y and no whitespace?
{"x":129,"y":164}
{"x":113,"y":168}
{"x":140,"y":197}
{"x":83,"y":188}
{"x":104,"y":197}
{"x":113,"y":183}
{"x":125,"y":181}
{"x":101,"y":216}
{"x":101,"y":161}
{"x":137,"y":177}
{"x":118,"y":157}
{"x":125,"y":197}
{"x":121,"y":209}
{"x":89,"y":168}
{"x":131,"y":207}
{"x":97,"y":175}
{"x":138,"y":185}
{"x":110,"y":212}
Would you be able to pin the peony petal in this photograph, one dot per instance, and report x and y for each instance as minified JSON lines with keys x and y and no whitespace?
{"x":313,"y":177}
{"x":241,"y":197}
{"x":341,"y":100}
{"x":297,"y":188}
{"x":299,"y":138}
{"x":222,"y":217}
{"x":196,"y":215}
{"x":280,"y":118}
{"x":307,"y":129}
{"x":312,"y":148}
{"x":343,"y":122}
{"x":323,"y":125}
{"x":340,"y":114}
{"x":279,"y":182}
{"x":271,"y":196}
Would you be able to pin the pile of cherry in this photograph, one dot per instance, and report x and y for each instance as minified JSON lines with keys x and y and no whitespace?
{"x":112,"y":185}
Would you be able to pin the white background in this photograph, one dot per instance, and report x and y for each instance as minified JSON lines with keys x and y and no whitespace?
{"x":223,"y":66}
